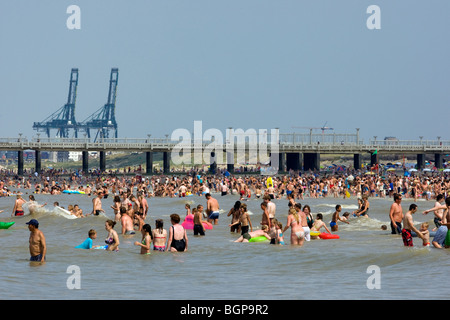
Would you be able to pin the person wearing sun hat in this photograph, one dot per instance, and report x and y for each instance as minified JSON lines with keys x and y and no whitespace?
{"x":38,"y":247}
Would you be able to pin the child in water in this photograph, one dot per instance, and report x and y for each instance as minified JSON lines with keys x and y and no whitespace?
{"x":280,"y":238}
{"x":253,"y":234}
{"x":87,"y":244}
{"x":187,"y":206}
{"x":426,"y":233}
{"x":273,"y":230}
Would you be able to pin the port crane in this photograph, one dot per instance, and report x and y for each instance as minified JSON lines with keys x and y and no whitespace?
{"x":64,"y":118}
{"x":104,"y":119}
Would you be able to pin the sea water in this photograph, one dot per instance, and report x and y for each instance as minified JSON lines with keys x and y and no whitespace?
{"x":216,"y":267}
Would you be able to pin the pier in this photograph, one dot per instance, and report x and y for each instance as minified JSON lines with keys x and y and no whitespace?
{"x":296,"y":151}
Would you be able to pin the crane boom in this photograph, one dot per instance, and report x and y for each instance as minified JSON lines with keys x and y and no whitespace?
{"x":64,"y":118}
{"x":104,"y":119}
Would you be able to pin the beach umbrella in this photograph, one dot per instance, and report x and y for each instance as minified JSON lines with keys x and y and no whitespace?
{"x":412,"y":169}
{"x":446,"y":170}
{"x":390,"y":169}
{"x":427,"y":170}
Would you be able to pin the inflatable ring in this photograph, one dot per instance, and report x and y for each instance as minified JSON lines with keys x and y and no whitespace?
{"x":258,"y":239}
{"x":188,"y":223}
{"x":73,"y":192}
{"x":327,"y":236}
{"x":314,"y":233}
{"x":101,"y":247}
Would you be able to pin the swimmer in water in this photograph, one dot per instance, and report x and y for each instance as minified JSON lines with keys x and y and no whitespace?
{"x":178,"y":240}
{"x":336,"y":217}
{"x":37,"y":246}
{"x":146,"y":241}
{"x":159,"y":236}
{"x":112,"y":240}
{"x":127,"y":222}
{"x":253,"y":234}
{"x":280,"y":238}
{"x":18,"y":210}
{"x":318,"y":224}
{"x":294,"y":222}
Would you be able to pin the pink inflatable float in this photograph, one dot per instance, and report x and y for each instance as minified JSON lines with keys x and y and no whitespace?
{"x":188,"y":223}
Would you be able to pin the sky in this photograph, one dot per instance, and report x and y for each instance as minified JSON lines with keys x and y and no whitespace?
{"x":250,"y":64}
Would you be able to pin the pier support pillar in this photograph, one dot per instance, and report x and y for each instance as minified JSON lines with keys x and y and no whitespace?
{"x":85,"y":160}
{"x":438,"y":161}
{"x":20,"y":163}
{"x":282,"y":162}
{"x":420,"y":161}
{"x":166,"y":162}
{"x":230,"y":162}
{"x":357,"y":162}
{"x":374,"y":159}
{"x":149,"y":162}
{"x":102,"y":161}
{"x":37,"y":161}
{"x":212,"y":163}
{"x":311,"y":161}
{"x":293,"y":161}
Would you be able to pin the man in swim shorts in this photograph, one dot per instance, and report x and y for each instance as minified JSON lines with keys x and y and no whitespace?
{"x":408,"y":224}
{"x":407,"y":237}
{"x":127,"y":222}
{"x":18,"y":210}
{"x":97,"y":204}
{"x":38,"y":247}
{"x":212,"y":209}
{"x":396,"y":214}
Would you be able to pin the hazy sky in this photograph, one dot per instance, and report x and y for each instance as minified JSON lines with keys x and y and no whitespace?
{"x":237,"y":63}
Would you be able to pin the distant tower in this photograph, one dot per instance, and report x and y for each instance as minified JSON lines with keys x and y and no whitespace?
{"x":104,"y":119}
{"x":64,"y":118}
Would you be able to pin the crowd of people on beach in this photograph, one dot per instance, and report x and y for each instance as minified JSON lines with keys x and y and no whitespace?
{"x":130,"y":206}
{"x":310,"y":184}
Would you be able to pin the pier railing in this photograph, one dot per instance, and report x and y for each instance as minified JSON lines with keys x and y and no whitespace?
{"x":294,"y":142}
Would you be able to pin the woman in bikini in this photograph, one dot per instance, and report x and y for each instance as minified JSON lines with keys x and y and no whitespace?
{"x":318,"y":224}
{"x":146,"y":241}
{"x":159,"y":236}
{"x":297,"y":232}
{"x":112,"y":240}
